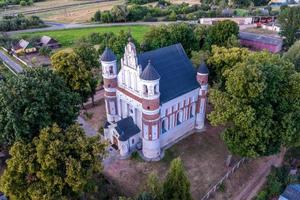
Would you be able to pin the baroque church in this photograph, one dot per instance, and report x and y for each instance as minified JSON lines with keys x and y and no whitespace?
{"x":155,"y":99}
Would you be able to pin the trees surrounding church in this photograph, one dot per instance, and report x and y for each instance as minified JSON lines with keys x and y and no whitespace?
{"x":165,"y":35}
{"x":58,"y":164}
{"x":76,"y":68}
{"x":221,"y":34}
{"x":177,"y":185}
{"x":293,"y":55}
{"x":259,"y":103}
{"x":32,"y":101}
{"x":289,"y":19}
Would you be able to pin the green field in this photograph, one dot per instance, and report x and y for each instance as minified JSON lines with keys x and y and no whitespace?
{"x":67,"y":37}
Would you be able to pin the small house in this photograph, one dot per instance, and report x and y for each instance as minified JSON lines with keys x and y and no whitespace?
{"x":23,"y":46}
{"x":49,"y":42}
{"x":259,"y":42}
{"x":291,"y":192}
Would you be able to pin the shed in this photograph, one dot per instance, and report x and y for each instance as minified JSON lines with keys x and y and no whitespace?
{"x":260,"y":42}
{"x":47,"y":41}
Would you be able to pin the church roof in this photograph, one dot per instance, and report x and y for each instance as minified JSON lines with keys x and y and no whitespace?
{"x":126,"y":128}
{"x":108,"y":55}
{"x":177,"y":74}
{"x":292,"y":192}
{"x":203,"y":68}
{"x":149,"y":73}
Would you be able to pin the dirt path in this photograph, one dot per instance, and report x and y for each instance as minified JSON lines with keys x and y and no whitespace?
{"x":254,"y":185}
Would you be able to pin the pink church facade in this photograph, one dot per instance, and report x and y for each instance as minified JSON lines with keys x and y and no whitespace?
{"x":155,"y":99}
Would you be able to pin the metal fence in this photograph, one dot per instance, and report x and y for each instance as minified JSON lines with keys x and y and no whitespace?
{"x":225,"y":177}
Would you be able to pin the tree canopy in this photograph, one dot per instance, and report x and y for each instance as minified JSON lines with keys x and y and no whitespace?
{"x":76,"y":67}
{"x":176,"y":185}
{"x":165,"y":35}
{"x":32,"y":101}
{"x":293,"y":55}
{"x":289,"y":19}
{"x":221,"y":33}
{"x":58,"y":164}
{"x":259,"y":104}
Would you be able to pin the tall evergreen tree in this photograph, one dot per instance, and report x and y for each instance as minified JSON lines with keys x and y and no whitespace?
{"x":176,"y":185}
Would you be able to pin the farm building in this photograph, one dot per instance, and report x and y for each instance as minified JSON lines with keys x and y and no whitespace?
{"x":23,"y":46}
{"x":47,"y":41}
{"x":260,"y":42}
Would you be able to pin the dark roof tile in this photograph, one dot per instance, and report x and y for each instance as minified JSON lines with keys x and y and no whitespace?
{"x":149,"y":73}
{"x":126,"y":128}
{"x":177,"y":74}
{"x":108,"y":55}
{"x":203,"y":68}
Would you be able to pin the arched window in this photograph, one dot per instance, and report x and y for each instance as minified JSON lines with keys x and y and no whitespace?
{"x":192,"y":110}
{"x":164,"y":125}
{"x":145,"y":90}
{"x":156,"y":90}
{"x":179,"y":117}
{"x":111,"y":70}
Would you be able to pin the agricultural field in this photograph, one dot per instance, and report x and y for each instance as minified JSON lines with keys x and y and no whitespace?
{"x":71,"y":14}
{"x":69,"y":36}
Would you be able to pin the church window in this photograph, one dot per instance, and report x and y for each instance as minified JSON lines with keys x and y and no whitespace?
{"x":192,"y":110}
{"x":145,"y":89}
{"x":111,"y":70}
{"x":179,"y":117}
{"x":164,"y":125}
{"x":156,"y":90}
{"x":132,"y":141}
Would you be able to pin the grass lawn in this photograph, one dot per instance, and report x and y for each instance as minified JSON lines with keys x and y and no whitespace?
{"x":69,"y":36}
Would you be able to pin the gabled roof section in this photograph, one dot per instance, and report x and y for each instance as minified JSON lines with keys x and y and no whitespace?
{"x":108,"y":55}
{"x":126,"y":128}
{"x":23,"y":43}
{"x":149,"y":73}
{"x":45,"y":39}
{"x":177,"y":74}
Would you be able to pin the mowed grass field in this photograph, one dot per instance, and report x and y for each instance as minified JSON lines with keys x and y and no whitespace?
{"x":67,"y":37}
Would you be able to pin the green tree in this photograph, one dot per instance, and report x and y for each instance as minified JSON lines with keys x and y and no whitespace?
{"x":32,"y":101}
{"x":260,"y":105}
{"x":76,"y":69}
{"x":222,"y":59}
{"x":289,"y":20}
{"x":58,"y":164}
{"x":176,"y":185}
{"x":106,"y":17}
{"x":119,"y":13}
{"x":220,"y":33}
{"x":293,"y":55}
{"x":164,"y":35}
{"x":154,"y":187}
{"x":97,"y":16}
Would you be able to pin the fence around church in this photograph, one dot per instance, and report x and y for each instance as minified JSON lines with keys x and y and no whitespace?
{"x":224,"y":178}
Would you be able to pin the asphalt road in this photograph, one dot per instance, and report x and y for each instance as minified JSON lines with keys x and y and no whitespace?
{"x":58,"y":26}
{"x":12,"y":64}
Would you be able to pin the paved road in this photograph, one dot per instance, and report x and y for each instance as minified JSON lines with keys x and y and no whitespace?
{"x":12,"y":64}
{"x":58,"y":26}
